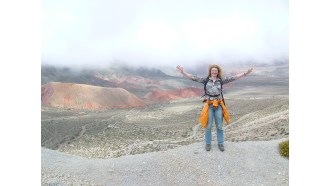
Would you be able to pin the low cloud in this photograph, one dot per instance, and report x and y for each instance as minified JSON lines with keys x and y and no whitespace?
{"x":158,"y":33}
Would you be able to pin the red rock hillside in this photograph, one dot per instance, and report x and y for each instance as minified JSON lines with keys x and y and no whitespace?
{"x":81,"y":96}
{"x":130,"y":82}
{"x":166,"y":95}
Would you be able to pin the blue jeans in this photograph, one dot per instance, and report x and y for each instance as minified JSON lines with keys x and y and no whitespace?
{"x":217,"y":115}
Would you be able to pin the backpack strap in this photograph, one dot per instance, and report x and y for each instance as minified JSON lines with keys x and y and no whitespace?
{"x":223,"y":99}
{"x":206,"y":80}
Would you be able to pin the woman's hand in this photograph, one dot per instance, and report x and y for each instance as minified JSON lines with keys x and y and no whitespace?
{"x":180,"y":68}
{"x":249,"y":71}
{"x":244,"y":74}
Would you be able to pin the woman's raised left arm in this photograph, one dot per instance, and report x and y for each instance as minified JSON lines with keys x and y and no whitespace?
{"x":244,"y":73}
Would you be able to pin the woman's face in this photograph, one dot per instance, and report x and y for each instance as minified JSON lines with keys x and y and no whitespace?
{"x":214,"y":72}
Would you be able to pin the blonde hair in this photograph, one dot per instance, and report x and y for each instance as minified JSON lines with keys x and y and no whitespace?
{"x":217,"y":67}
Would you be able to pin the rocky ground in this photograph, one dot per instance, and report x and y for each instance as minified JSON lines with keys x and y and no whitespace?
{"x":104,"y":134}
{"x":97,"y":136}
{"x":162,"y":144}
{"x":242,"y":163}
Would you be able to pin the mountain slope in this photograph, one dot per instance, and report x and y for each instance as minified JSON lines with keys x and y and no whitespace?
{"x":81,"y":96}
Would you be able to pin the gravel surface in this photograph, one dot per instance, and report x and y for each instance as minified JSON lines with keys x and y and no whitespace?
{"x":242,"y":163}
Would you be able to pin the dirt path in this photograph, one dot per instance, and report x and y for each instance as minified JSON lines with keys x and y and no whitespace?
{"x":242,"y":163}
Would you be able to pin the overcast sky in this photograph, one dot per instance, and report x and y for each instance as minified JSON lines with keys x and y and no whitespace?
{"x":164,"y":32}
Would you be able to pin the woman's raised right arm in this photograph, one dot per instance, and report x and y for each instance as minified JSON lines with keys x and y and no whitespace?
{"x":180,"y":69}
{"x":192,"y":77}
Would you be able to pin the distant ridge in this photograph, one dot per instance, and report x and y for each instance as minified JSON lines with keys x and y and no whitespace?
{"x":82,"y":96}
{"x":166,"y":95}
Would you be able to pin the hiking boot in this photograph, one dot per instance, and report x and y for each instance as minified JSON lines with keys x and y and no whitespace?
{"x":221,"y":147}
{"x":208,"y":147}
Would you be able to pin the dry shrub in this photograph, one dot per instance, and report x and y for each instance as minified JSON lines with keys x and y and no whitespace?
{"x":284,"y":148}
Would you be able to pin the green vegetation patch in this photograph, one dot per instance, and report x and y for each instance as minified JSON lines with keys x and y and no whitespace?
{"x":284,"y":148}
